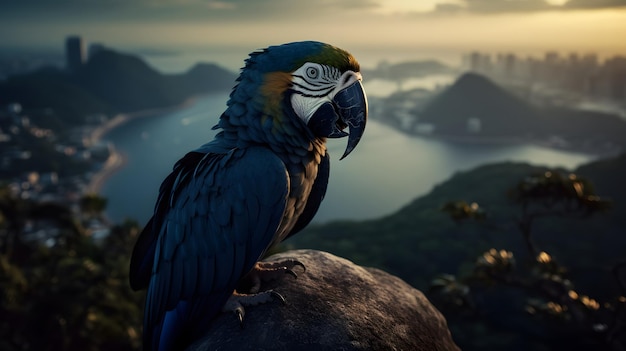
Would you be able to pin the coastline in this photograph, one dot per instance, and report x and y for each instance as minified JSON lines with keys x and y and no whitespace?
{"x":114,"y":163}
{"x":117,"y":160}
{"x":558,"y":145}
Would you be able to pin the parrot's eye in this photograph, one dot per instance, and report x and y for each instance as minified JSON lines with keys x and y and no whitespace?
{"x":315,"y":80}
{"x":312,"y":72}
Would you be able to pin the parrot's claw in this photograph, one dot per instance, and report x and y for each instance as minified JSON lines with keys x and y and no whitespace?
{"x":267,"y":271}
{"x":289,"y":263}
{"x":285,"y":266}
{"x":237,"y":301}
{"x":251,"y":284}
{"x":241,"y":313}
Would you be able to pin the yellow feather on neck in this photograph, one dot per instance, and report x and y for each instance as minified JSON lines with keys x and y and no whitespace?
{"x":273,"y":88}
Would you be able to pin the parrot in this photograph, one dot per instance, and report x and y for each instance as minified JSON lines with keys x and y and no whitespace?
{"x":260,"y":180}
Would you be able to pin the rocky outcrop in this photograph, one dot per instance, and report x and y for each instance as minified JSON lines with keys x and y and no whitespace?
{"x":334,"y":305}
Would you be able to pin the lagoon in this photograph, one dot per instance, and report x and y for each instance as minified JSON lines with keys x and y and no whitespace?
{"x":386,"y":171}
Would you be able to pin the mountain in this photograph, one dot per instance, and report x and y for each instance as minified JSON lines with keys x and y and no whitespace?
{"x":111,"y":82}
{"x":583,"y":130}
{"x":608,"y":178}
{"x":207,"y":77}
{"x":54,"y":91}
{"x":474,"y":97}
{"x":128,"y":83}
{"x":419,"y":241}
{"x":476,"y":109}
{"x":125,"y":82}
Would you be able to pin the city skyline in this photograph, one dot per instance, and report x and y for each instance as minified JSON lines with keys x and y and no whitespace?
{"x":526,"y":27}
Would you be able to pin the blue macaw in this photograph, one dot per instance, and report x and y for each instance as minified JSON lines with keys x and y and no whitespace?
{"x":259,"y":181}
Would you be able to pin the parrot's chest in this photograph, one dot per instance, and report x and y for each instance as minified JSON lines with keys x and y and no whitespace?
{"x":301,"y":180}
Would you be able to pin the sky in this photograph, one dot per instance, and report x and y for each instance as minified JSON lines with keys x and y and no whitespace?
{"x":364,"y":26}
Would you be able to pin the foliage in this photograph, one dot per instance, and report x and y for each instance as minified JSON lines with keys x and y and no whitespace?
{"x":459,"y":210}
{"x":569,"y":317}
{"x":92,"y":205}
{"x":418,"y":242}
{"x":59,"y":288}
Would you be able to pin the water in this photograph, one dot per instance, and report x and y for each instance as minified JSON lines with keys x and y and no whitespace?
{"x":386,"y":171}
{"x":384,"y":88}
{"x":152,"y":145}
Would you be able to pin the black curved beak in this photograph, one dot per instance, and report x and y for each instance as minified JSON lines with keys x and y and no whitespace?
{"x":352,"y":107}
{"x":347,"y":109}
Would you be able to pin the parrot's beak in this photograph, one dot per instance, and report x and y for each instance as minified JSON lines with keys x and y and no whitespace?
{"x":347,"y":109}
{"x":351,"y":104}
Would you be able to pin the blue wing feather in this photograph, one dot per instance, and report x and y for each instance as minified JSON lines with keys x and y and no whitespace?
{"x":142,"y":258}
{"x":144,"y":251}
{"x":221,"y":213}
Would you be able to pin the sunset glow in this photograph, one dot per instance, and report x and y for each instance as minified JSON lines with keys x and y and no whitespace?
{"x":400,"y":25}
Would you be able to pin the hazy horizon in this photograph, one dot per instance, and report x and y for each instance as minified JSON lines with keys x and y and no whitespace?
{"x":168,"y":59}
{"x":370,"y":29}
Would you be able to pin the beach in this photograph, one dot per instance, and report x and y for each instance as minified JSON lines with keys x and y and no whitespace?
{"x":114,"y":163}
{"x":117,"y":160}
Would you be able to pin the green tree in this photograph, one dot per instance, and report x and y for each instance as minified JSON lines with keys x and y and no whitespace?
{"x":60,"y":288}
{"x":539,"y":283}
{"x":93,"y":205}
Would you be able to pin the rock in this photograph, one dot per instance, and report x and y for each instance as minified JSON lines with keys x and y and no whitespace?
{"x":334,"y":305}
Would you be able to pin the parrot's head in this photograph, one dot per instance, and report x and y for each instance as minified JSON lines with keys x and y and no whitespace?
{"x":315,"y":84}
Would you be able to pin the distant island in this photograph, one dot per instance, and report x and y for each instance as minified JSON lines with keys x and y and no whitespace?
{"x":475,"y":109}
{"x":110,"y":82}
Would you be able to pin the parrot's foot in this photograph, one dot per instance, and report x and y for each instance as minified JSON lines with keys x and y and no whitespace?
{"x":251,"y":285}
{"x":237,"y":301}
{"x":268,"y":271}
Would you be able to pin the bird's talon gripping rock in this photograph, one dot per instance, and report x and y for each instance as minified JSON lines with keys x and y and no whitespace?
{"x":241,"y":313}
{"x":298,"y":263}
{"x":278,"y":296}
{"x":237,"y":302}
{"x":268,"y":270}
{"x":290,"y":271}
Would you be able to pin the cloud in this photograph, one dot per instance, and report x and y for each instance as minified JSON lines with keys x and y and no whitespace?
{"x":218,"y":10}
{"x":447,"y":8}
{"x":252,"y":22}
{"x":260,"y":10}
{"x":588,"y":4}
{"x":517,"y":6}
{"x":494,"y":6}
{"x":257,"y":10}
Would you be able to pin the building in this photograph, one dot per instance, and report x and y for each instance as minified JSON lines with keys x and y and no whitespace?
{"x":74,"y":52}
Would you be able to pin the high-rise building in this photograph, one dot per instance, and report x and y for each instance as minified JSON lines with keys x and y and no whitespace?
{"x":510,"y":64}
{"x":74,"y":52}
{"x":479,"y":62}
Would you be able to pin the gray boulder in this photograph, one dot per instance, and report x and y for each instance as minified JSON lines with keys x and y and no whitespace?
{"x":334,"y":305}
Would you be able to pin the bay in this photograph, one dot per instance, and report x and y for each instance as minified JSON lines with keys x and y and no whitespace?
{"x":386,"y":171}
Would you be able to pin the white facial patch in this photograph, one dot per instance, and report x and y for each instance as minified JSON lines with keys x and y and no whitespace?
{"x":313,"y":85}
{"x":305,"y":106}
